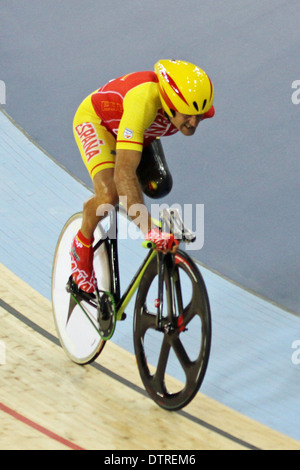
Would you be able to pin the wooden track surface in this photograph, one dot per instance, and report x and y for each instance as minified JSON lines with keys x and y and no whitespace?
{"x":47,"y":402}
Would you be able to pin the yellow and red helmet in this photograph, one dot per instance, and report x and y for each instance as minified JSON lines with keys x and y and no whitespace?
{"x":184,"y":87}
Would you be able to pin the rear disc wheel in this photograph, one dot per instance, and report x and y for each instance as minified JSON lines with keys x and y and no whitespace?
{"x":78,"y":332}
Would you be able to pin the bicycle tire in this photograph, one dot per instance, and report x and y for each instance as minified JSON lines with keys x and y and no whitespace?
{"x":192,"y":365}
{"x":78,"y":334}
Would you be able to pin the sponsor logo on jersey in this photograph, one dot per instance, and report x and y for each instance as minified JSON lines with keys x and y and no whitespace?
{"x":128,"y":134}
{"x":89,"y":140}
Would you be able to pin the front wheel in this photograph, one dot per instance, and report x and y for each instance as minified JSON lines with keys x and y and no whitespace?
{"x":172,"y":360}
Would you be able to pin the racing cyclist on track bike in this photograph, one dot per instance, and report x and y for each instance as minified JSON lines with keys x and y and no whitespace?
{"x":116,"y":128}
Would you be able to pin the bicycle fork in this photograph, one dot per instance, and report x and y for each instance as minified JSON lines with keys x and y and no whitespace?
{"x":175,"y":313}
{"x":166,"y":267}
{"x":160,"y":299}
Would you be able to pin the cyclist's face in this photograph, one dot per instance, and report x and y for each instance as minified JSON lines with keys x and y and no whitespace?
{"x":185,"y":123}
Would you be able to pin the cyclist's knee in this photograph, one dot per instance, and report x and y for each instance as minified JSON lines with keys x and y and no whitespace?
{"x":89,"y":207}
{"x":106,"y":204}
{"x":97,"y":207}
{"x":105,"y":188}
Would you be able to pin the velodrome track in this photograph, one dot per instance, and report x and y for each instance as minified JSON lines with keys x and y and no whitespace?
{"x":49,"y":403}
{"x":249,"y":399}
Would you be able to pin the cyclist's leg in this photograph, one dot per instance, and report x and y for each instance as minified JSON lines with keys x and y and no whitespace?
{"x":97,"y":148}
{"x":105,"y":194}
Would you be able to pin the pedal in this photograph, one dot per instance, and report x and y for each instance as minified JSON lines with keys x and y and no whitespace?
{"x":106,"y":315}
{"x":72,"y":288}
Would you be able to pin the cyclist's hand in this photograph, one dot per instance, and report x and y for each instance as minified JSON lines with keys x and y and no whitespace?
{"x":165,"y":242}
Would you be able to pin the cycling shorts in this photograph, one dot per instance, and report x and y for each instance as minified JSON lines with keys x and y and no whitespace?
{"x":96,"y":144}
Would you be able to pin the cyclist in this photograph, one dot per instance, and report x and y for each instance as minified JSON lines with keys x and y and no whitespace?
{"x":114,"y":125}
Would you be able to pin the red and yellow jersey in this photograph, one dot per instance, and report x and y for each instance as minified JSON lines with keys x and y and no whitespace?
{"x":130,"y":108}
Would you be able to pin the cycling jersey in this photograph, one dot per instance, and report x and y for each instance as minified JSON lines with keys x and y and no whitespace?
{"x":130,"y":108}
{"x":126,"y":113}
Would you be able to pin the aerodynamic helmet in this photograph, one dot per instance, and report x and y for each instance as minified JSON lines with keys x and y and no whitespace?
{"x":184,"y":87}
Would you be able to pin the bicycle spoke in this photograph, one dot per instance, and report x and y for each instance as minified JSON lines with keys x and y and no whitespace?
{"x":189,"y":313}
{"x":148,"y":320}
{"x":191,"y":368}
{"x":162,"y":361}
{"x":181,"y":354}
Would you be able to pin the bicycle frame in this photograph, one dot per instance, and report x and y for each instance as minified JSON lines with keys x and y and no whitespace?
{"x":165,"y":262}
{"x":112,"y":249}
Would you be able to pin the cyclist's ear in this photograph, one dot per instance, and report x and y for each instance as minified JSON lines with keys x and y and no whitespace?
{"x":153,"y":173}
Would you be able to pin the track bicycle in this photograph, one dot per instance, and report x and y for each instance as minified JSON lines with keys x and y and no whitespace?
{"x":172,"y":319}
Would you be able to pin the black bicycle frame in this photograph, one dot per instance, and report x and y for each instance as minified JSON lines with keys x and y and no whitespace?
{"x":111,"y":242}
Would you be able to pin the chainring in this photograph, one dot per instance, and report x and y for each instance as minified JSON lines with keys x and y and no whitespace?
{"x":107,"y":315}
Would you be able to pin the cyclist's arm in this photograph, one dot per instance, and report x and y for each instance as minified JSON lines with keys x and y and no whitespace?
{"x":140,"y":109}
{"x":128,"y":186}
{"x":140,"y":105}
